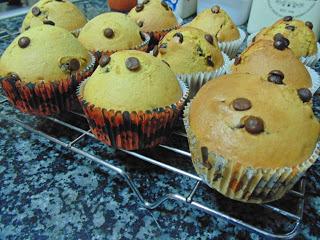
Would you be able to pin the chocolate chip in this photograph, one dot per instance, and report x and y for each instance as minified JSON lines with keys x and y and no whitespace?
{"x":281,"y":44}
{"x":180,"y":36}
{"x":36,"y":11}
{"x":166,"y":63}
{"x":27,"y":28}
{"x":108,"y":33}
{"x":237,"y":60}
{"x":254,"y":39}
{"x":155,"y":51}
{"x":133,"y":63}
{"x":142,"y":36}
{"x":287,"y":18}
{"x":209,"y":38}
{"x":241,"y":104}
{"x":276,"y":77}
{"x":24,"y":42}
{"x":140,"y":23}
{"x":290,"y":28}
{"x":104,"y":61}
{"x":48,"y":22}
{"x":205,"y":157}
{"x":163,"y":48}
{"x":309,"y":25}
{"x":146,"y":1}
{"x":74,"y":65}
{"x":204,"y":154}
{"x":278,"y":36}
{"x":139,"y":7}
{"x":165,"y":5}
{"x":305,"y":94}
{"x":210,"y":61}
{"x":215,"y":9}
{"x":254,"y":125}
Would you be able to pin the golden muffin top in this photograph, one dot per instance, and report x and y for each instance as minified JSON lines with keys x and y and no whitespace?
{"x":153,"y":15}
{"x":131,"y":81}
{"x":190,"y":50}
{"x":62,"y":14}
{"x":45,"y":53}
{"x":263,"y":59}
{"x":303,"y":41}
{"x":110,"y":32}
{"x":244,"y":118}
{"x":218,"y":23}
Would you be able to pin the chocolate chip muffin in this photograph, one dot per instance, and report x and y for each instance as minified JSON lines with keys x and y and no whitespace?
{"x":190,"y":50}
{"x":264,"y":58}
{"x":302,"y":39}
{"x":110,"y":32}
{"x":132,"y":100}
{"x":60,"y":13}
{"x":154,"y":17}
{"x":243,"y":133}
{"x":41,"y":69}
{"x":218,"y":23}
{"x":193,"y":55}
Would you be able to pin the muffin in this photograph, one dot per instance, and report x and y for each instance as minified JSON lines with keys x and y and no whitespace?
{"x":41,"y":69}
{"x":218,"y":23}
{"x":154,"y":17}
{"x":263,"y":57}
{"x":132,"y":100}
{"x":303,"y":41}
{"x":62,"y":14}
{"x":243,"y":133}
{"x":193,"y":55}
{"x":111,"y":32}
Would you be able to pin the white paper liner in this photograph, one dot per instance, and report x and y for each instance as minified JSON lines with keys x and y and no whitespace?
{"x":231,"y":48}
{"x":196,"y":80}
{"x":309,"y":61}
{"x":315,"y":77}
{"x":241,"y":183}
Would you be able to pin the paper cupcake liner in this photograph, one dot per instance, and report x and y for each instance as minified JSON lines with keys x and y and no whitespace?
{"x":132,"y":130}
{"x":315,"y":77}
{"x":141,"y":47}
{"x":241,"y":183}
{"x":231,"y":48}
{"x":76,"y":32}
{"x":196,"y":80}
{"x":45,"y":98}
{"x":309,"y":61}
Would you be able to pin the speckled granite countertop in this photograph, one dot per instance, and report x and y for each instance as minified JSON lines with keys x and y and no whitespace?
{"x":47,"y":192}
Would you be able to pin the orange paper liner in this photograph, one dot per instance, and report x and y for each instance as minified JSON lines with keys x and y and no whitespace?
{"x":45,"y":98}
{"x":132,"y":130}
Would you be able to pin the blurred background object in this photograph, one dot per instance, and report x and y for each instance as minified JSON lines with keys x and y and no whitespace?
{"x":266,"y":12}
{"x":122,"y":5}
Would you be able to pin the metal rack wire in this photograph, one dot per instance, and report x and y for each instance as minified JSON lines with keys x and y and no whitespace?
{"x":187,"y":199}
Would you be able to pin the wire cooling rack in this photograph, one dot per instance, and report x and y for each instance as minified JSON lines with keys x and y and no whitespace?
{"x":292,"y":218}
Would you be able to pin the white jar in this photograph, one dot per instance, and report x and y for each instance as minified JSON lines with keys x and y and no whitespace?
{"x":266,"y":12}
{"x":238,"y":9}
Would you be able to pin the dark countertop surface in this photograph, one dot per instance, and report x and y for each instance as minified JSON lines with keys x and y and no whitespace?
{"x":47,"y":192}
